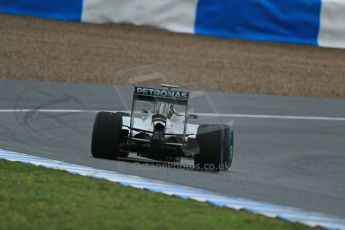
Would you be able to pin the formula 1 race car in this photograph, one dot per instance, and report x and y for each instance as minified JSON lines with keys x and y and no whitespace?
{"x":158,"y":127}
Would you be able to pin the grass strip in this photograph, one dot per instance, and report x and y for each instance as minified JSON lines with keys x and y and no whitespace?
{"x":33,"y":197}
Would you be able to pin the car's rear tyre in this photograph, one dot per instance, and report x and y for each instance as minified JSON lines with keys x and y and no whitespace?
{"x":228,"y":152}
{"x":106,"y":135}
{"x":215,"y":147}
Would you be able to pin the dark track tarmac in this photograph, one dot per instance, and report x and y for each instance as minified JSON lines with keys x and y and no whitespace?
{"x":293,"y":162}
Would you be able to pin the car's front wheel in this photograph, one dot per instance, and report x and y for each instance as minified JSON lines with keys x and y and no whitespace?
{"x":106,"y":135}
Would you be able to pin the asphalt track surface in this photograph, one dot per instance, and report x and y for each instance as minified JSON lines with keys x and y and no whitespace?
{"x":293,"y":161}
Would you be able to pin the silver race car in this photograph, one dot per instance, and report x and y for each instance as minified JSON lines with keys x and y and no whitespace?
{"x":160,"y":127}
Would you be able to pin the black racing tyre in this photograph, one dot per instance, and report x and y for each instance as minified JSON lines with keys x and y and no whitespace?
{"x":106,"y":135}
{"x":228,"y":147}
{"x":215,"y":147}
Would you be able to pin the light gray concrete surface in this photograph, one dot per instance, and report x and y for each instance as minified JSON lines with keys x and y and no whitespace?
{"x":299,"y":163}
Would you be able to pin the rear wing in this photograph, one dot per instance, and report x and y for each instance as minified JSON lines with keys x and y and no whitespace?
{"x":161,"y":95}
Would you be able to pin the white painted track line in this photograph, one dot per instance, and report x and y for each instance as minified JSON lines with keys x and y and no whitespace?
{"x":230,"y":115}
